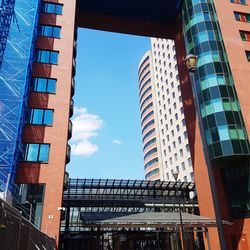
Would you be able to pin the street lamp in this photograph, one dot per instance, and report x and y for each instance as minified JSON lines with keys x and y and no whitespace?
{"x":191,"y":62}
{"x":175,"y":175}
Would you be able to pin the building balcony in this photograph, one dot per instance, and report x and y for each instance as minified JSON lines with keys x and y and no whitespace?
{"x":68,"y":154}
{"x":66,"y":180}
{"x":71,"y":109}
{"x":72,"y":87}
{"x":70,"y":129}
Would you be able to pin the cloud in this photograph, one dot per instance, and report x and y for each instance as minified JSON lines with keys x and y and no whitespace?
{"x":85,"y":127}
{"x":116,"y":141}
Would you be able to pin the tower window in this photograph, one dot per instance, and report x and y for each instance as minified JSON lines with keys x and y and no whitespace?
{"x":245,"y":35}
{"x":52,"y":8}
{"x":46,"y":56}
{"x":248,"y":55}
{"x":46,"y":85}
{"x":238,"y":1}
{"x":35,"y":153}
{"x":40,"y":116}
{"x":49,"y":31}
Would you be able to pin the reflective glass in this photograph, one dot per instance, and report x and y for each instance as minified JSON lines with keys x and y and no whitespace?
{"x":48,"y":117}
{"x":44,"y":153}
{"x":32,"y":154}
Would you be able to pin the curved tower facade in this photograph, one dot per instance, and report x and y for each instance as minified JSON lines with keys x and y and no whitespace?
{"x":164,"y":134}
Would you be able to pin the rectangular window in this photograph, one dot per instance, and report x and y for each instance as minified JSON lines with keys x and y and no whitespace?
{"x":238,"y":1}
{"x":35,"y":153}
{"x":248,"y":55}
{"x":49,"y":31}
{"x":45,"y":85}
{"x":40,"y":116}
{"x":52,"y":8}
{"x":46,"y":56}
{"x":245,"y":35}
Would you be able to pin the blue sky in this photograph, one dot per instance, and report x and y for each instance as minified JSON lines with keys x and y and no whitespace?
{"x":106,"y":139}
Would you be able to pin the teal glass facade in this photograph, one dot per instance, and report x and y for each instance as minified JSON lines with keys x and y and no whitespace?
{"x":212,"y":83}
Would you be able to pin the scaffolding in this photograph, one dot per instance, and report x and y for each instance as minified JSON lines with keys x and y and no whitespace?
{"x":18,"y":27}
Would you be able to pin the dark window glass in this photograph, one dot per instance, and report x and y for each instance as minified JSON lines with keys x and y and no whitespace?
{"x":238,"y":195}
{"x":248,"y":55}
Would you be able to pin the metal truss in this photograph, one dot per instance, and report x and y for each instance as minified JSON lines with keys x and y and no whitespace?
{"x":90,"y":200}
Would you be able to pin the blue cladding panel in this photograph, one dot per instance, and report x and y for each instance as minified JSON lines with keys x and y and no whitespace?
{"x":18,"y":25}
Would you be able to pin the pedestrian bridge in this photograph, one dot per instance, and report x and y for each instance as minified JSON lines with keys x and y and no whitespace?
{"x":156,"y":18}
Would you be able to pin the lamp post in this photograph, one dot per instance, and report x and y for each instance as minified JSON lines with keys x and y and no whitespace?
{"x":175,"y":175}
{"x":191,"y":62}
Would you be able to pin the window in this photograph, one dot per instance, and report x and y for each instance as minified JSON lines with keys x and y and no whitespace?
{"x":248,"y":55}
{"x":185,"y":134}
{"x":177,"y":169}
{"x":40,"y":116}
{"x":150,"y":152}
{"x":192,"y":176}
{"x":189,"y":162}
{"x":150,"y":163}
{"x":52,"y":8}
{"x":35,"y":153}
{"x":187,"y":148}
{"x":183,"y":166}
{"x":238,"y":1}
{"x":49,"y":31}
{"x":46,"y":56}
{"x":46,"y":85}
{"x":245,"y":35}
{"x":181,"y":152}
{"x":242,"y":17}
{"x":167,"y":176}
{"x":179,"y":140}
{"x":149,"y":143}
{"x":185,"y":178}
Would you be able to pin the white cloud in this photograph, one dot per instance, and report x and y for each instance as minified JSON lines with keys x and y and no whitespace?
{"x":85,"y":127}
{"x":117,"y":141}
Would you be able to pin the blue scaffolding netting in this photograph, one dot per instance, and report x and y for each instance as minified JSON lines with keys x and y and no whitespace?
{"x":18,"y":27}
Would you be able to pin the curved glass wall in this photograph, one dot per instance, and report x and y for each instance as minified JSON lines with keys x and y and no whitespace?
{"x":213,"y":85}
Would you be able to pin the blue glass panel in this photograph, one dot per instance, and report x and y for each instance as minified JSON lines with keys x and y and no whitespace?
{"x":48,"y":117}
{"x":223,"y":133}
{"x":44,"y":153}
{"x":44,"y":56}
{"x":57,"y":32}
{"x":51,"y":86}
{"x":50,"y":7}
{"x":58,"y":9}
{"x":37,"y":116}
{"x":47,"y":31}
{"x":54,"y":57}
{"x":32,"y":153}
{"x":217,"y":104}
{"x":41,"y":85}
